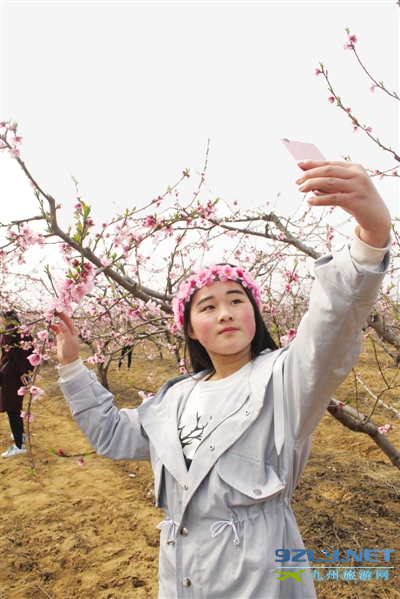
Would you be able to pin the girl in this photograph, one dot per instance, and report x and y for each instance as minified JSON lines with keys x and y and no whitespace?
{"x":229,"y":443}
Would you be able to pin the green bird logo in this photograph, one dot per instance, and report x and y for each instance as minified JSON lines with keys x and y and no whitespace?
{"x":294,"y":575}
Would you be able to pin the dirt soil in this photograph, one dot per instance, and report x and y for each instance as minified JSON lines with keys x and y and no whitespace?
{"x":89,"y":532}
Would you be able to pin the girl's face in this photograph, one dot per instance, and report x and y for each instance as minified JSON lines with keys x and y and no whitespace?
{"x":222,"y":319}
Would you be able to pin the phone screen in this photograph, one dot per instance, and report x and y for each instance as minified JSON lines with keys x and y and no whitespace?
{"x":301,"y":150}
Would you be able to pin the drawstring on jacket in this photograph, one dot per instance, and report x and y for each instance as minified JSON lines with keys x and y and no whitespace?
{"x":173,"y":526}
{"x":220,"y":526}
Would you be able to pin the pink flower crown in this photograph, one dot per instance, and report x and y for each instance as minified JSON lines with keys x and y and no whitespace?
{"x":207,"y":276}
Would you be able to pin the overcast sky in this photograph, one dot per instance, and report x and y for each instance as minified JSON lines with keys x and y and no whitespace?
{"x":125,"y":95}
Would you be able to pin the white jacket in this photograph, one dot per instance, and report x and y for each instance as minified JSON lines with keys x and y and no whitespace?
{"x":229,"y":513}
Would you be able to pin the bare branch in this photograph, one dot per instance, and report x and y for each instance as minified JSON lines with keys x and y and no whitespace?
{"x":375,"y":321}
{"x":355,"y":421}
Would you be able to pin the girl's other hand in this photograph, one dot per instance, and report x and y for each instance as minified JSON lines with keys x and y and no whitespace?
{"x":348,"y":186}
{"x":67,"y":339}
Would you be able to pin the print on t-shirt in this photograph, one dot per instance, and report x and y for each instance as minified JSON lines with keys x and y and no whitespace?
{"x":196,"y":434}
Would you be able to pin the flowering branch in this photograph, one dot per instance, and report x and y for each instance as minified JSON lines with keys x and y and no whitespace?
{"x":350,"y":45}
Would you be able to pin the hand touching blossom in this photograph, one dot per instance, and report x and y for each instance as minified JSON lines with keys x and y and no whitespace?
{"x":67,"y":339}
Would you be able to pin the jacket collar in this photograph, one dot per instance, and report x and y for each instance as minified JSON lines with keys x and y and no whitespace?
{"x":159,"y":417}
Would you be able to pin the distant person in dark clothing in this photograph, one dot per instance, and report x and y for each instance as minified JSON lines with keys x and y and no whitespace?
{"x":14,"y":372}
{"x":126,"y":351}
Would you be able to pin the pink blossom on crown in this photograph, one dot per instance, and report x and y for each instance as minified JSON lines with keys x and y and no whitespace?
{"x":204,"y":277}
{"x":227,"y":272}
{"x":207,"y":276}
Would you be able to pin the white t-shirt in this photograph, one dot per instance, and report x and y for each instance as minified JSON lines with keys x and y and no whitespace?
{"x":201,"y":406}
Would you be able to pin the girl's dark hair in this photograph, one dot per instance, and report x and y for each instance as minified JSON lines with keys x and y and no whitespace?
{"x":199,"y":358}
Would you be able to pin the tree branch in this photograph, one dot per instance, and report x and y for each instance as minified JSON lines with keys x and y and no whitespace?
{"x":354,"y":420}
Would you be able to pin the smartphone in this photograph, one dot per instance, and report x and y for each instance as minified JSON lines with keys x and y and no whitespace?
{"x":301,"y":150}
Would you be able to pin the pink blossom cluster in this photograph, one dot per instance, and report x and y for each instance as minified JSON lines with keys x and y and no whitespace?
{"x":351,"y":42}
{"x":270,"y":309}
{"x":182,"y":367}
{"x":144,"y":310}
{"x":291,"y":279}
{"x":35,"y":358}
{"x":25,"y":237}
{"x":286,"y":339}
{"x":96,"y":359}
{"x":70,"y":291}
{"x":207,"y":276}
{"x":207,"y":210}
{"x":144,"y":395}
{"x":8,"y":126}
{"x":385,"y":430}
{"x":36,"y":392}
{"x":13,"y":141}
{"x":27,"y":416}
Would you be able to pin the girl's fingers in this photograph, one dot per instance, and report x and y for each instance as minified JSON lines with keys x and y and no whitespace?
{"x":67,"y":339}
{"x":306,"y":165}
{"x":328,"y":185}
{"x":59,"y":328}
{"x":65,"y":323}
{"x":55,"y":328}
{"x":327,"y":172}
{"x":332,"y":199}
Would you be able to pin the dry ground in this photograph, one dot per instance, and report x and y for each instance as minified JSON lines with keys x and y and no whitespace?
{"x":90,"y":532}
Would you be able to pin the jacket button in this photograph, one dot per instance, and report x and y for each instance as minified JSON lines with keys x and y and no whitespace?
{"x":211,"y":447}
{"x":186,"y":582}
{"x":256,"y":492}
{"x":93,"y":374}
{"x":185,"y":488}
{"x":184,"y":532}
{"x":247,"y":412}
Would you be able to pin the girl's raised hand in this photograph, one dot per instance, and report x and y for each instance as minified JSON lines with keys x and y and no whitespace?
{"x":67,"y":339}
{"x":348,"y":185}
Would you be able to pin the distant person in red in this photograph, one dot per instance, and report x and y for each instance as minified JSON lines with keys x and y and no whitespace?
{"x":14,"y":372}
